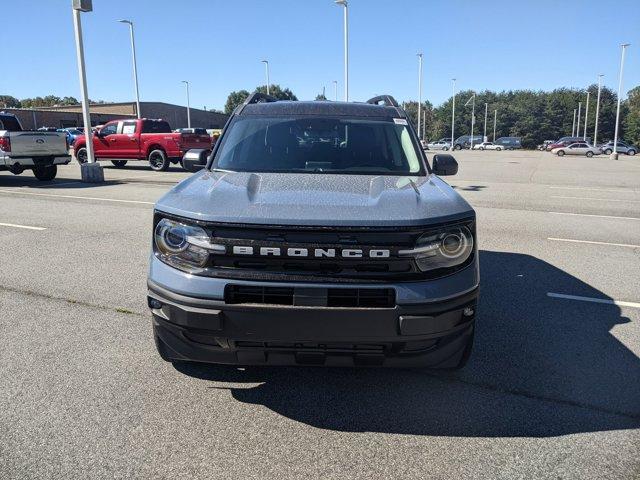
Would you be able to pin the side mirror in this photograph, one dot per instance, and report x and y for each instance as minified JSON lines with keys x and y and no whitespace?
{"x":195,"y":159}
{"x":444,"y":164}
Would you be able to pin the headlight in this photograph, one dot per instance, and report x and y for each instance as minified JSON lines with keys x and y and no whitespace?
{"x":447,"y":248}
{"x":182,"y":246}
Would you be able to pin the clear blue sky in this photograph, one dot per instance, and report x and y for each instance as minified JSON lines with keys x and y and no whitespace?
{"x":217,"y":46}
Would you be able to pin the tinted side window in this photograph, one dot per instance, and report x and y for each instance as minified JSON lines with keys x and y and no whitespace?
{"x":109,"y":129}
{"x":153,"y":126}
{"x":9,"y":123}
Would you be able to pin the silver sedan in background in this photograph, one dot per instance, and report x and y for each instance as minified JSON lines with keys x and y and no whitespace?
{"x":441,"y":144}
{"x":578,"y":148}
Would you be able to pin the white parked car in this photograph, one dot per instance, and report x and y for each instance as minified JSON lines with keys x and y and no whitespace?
{"x":441,"y":144}
{"x":578,"y":148}
{"x":487,"y":146}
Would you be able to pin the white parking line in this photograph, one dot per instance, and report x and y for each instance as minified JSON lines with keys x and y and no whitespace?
{"x":595,"y":198}
{"x":27,"y":227}
{"x":76,"y":197}
{"x":589,"y":215}
{"x":592,"y":242}
{"x":594,"y":300}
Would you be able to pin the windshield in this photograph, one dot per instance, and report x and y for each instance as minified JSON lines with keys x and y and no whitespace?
{"x":318,"y":145}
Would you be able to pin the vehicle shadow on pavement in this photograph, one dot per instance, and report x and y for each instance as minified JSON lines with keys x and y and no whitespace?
{"x":541,"y":367}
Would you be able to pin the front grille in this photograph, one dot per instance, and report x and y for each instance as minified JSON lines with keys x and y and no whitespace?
{"x":361,"y":297}
{"x":317,"y":297}
{"x":336,"y":269}
{"x":236,"y":294}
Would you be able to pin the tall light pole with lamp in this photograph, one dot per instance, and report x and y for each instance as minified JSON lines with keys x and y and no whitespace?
{"x":586,"y":117}
{"x":473,"y":116}
{"x":188,"y":104}
{"x":266,"y":66}
{"x":595,"y":131}
{"x":91,"y":171}
{"x":135,"y":67}
{"x":495,"y":121}
{"x":344,"y":4}
{"x":486,"y":110}
{"x":419,"y":91}
{"x":614,"y":155}
{"x":453,"y":113}
{"x":573,"y":126}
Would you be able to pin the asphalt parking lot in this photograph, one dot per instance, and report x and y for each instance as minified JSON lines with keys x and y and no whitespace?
{"x":552,"y":389}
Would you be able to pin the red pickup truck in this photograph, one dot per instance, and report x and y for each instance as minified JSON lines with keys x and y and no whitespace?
{"x":142,"y":139}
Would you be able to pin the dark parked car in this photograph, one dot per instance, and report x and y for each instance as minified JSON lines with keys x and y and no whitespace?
{"x":509,"y":143}
{"x":465,"y":141}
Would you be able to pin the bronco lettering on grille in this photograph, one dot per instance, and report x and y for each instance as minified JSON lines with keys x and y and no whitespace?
{"x":310,"y":252}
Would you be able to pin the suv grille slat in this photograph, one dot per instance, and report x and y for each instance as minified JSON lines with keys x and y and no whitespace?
{"x":335,"y":297}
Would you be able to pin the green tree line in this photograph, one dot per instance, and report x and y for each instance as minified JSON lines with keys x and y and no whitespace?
{"x":534,"y":116}
{"x":8,"y":101}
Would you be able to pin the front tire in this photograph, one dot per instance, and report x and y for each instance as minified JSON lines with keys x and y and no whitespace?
{"x":589,"y":154}
{"x":119,"y":163}
{"x":158,"y":161}
{"x":561,"y":153}
{"x":631,"y":152}
{"x":44,"y":174}
{"x":608,"y":151}
{"x":498,"y":149}
{"x":82,"y":156}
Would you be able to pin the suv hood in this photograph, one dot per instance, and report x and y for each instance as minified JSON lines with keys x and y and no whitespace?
{"x":314,"y":199}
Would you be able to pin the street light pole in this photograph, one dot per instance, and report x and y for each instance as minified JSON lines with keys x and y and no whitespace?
{"x":188,"y":105}
{"x":266,"y":66}
{"x":453,"y":112}
{"x":91,"y":171}
{"x":586,"y":118}
{"x":486,"y":106}
{"x":495,"y":121}
{"x":419,"y":91}
{"x":135,"y":67}
{"x":573,"y":127}
{"x":346,"y":47}
{"x":595,"y":131}
{"x":614,"y":155}
{"x":579,"y":113}
{"x":335,"y":89}
{"x":473,"y":116}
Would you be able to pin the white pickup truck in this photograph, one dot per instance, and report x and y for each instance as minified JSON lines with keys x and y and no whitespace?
{"x":22,"y":150}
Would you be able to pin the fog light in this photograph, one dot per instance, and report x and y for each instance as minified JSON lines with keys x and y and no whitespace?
{"x":468,"y":312}
{"x":153,"y":303}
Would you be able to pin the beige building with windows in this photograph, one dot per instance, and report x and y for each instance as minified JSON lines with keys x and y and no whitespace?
{"x":71,"y":115}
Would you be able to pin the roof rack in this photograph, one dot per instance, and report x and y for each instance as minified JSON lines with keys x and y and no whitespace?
{"x":256,"y":97}
{"x":386,"y":100}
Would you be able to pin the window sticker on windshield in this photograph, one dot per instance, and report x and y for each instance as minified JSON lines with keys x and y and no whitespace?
{"x":400,"y":121}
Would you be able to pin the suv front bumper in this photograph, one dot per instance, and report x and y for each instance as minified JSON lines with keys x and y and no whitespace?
{"x":433,"y":334}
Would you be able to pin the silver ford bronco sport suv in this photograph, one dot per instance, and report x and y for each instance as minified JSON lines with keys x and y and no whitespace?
{"x":317,"y":233}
